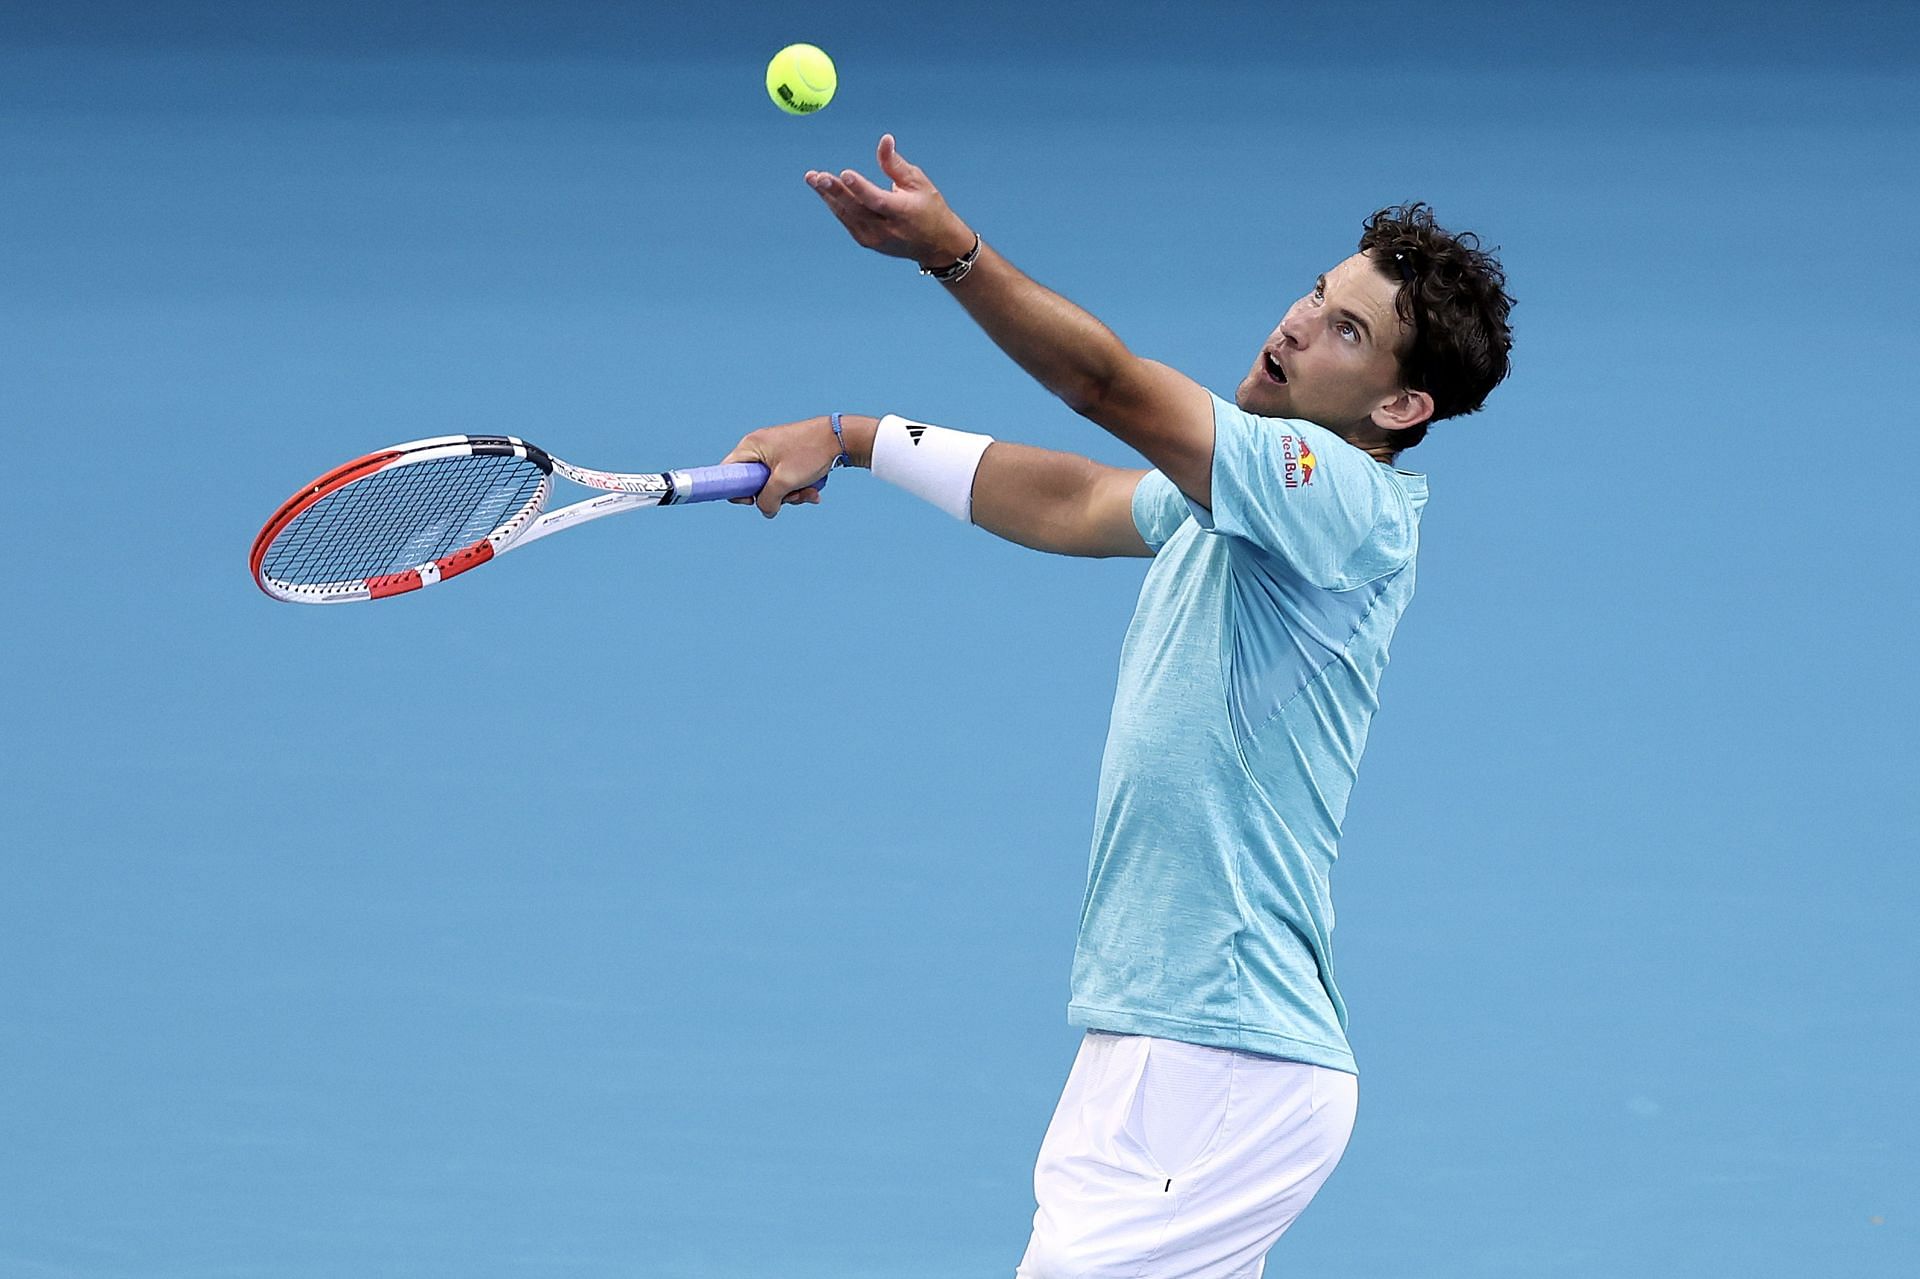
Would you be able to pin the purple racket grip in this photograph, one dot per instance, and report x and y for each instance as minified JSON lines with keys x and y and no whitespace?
{"x":721,"y":483}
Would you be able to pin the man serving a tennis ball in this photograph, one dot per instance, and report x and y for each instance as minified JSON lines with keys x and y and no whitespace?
{"x":1214,"y":1091}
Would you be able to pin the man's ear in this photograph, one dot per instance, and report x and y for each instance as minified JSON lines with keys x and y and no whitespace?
{"x":1404,"y":411}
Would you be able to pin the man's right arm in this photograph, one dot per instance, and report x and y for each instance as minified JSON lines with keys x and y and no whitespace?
{"x":1057,"y":502}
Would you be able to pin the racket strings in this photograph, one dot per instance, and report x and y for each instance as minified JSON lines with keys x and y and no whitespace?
{"x":401,"y":517}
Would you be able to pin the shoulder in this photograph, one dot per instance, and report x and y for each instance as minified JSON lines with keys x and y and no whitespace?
{"x":1299,"y":453}
{"x":1301,"y":492}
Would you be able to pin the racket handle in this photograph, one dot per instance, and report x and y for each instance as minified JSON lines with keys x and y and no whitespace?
{"x":721,"y":483}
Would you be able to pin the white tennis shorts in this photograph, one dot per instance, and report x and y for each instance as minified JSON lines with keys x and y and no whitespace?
{"x":1174,"y":1161}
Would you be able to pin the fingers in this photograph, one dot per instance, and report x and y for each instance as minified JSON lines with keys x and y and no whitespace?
{"x":852,"y":197}
{"x":786,"y":490}
{"x":883,"y":230}
{"x":851,"y":182}
{"x":790,"y":484}
{"x":871,"y":197}
{"x":751,"y":450}
{"x":853,"y":212}
{"x":895,"y":165}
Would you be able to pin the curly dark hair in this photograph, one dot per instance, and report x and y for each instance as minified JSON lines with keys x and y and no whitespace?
{"x":1454,"y":297}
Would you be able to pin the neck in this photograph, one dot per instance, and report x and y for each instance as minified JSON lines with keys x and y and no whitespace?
{"x":1376,"y":442}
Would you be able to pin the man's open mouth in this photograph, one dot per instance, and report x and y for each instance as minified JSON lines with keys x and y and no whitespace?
{"x":1274,"y":370}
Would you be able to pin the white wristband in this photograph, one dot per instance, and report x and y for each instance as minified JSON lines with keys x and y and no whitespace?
{"x":930,"y":462}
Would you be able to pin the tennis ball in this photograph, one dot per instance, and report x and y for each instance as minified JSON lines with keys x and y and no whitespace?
{"x":801,"y":79}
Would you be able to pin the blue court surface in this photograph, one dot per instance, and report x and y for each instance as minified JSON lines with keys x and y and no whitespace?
{"x":693,"y":895}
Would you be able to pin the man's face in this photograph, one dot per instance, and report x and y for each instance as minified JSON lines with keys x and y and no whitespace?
{"x":1336,"y":356}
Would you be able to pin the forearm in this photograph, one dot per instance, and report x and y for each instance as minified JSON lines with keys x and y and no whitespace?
{"x":1060,"y":345}
{"x":1055,"y":502}
{"x":1159,"y":412}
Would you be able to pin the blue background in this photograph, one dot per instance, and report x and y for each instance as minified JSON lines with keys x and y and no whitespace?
{"x":692,"y":895}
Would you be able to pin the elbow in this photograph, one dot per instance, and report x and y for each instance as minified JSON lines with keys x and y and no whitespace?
{"x":1088,"y":397}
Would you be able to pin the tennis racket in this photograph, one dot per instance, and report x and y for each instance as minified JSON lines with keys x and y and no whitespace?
{"x":419,"y":513}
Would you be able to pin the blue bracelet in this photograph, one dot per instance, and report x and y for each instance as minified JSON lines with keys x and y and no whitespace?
{"x":841,"y":440}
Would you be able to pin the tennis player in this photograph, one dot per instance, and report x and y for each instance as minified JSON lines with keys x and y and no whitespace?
{"x":1214,"y":1090}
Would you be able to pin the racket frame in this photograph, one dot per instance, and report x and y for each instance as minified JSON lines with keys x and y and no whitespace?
{"x":531,"y":521}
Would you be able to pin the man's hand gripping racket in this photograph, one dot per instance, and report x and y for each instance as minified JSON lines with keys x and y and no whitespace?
{"x":419,"y":513}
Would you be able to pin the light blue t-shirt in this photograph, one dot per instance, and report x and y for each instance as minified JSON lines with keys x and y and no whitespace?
{"x":1248,"y":678}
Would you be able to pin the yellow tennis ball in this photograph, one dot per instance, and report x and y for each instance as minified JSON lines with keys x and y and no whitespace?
{"x":801,"y":79}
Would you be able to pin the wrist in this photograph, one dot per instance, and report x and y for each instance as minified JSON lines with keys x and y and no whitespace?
{"x":856,"y":438}
{"x":948,"y":248}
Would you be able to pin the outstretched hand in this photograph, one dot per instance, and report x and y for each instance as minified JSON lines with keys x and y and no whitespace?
{"x":911,"y":220}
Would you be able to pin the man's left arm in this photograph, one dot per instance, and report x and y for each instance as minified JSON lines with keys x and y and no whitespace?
{"x":1158,"y":411}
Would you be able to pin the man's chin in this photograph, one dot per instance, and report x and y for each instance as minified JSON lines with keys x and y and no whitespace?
{"x":1263,"y":398}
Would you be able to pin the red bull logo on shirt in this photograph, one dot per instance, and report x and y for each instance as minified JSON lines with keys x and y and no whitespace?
{"x":1297,"y":461}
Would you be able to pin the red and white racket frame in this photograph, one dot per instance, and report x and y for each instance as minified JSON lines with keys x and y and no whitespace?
{"x":528,"y":524}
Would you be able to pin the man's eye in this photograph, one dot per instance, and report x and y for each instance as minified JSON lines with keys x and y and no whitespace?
{"x":1348,"y":332}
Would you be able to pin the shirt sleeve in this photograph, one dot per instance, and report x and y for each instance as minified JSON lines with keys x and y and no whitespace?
{"x":1159,"y":509}
{"x":1306,"y":496}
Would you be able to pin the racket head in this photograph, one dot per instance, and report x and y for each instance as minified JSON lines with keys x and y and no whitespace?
{"x":402,"y":518}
